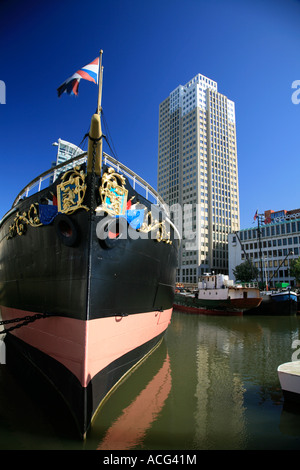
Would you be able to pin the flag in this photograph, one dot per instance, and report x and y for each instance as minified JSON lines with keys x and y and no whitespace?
{"x":88,"y":72}
{"x":135,"y":218}
{"x":255,"y":215}
{"x":47,"y":213}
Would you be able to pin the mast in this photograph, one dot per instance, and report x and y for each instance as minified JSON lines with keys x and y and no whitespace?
{"x":100,"y":83}
{"x":94,"y":160}
{"x":259,"y":246}
{"x":246,"y":254}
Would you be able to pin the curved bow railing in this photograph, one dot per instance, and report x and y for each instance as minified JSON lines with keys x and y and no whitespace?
{"x":136,"y":181}
{"x":49,"y":176}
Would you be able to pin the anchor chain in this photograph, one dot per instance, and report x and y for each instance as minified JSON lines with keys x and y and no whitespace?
{"x":25,"y":320}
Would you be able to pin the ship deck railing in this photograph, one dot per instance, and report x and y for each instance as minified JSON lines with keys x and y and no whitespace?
{"x":43,"y":180}
{"x":139,"y":184}
{"x":48,"y":177}
{"x":251,"y":284}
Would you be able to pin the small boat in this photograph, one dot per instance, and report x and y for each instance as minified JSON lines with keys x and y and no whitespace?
{"x":88,"y":266}
{"x":289,"y":377}
{"x":281,"y":302}
{"x":218,"y":295}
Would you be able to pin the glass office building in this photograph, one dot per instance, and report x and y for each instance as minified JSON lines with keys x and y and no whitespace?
{"x":65,"y":151}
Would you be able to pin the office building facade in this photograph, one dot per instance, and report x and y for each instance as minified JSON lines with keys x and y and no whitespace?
{"x":198,"y":174}
{"x":272,"y":251}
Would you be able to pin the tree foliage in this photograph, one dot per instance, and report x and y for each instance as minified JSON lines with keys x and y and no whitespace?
{"x":295,"y":269}
{"x":245,"y":272}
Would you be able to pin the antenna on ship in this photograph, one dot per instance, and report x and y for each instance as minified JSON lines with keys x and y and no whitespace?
{"x":94,"y":160}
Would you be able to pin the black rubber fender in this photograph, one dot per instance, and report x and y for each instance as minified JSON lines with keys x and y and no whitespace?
{"x":66,"y":230}
{"x":112,"y":232}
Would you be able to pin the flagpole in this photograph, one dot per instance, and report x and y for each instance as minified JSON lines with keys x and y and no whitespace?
{"x":94,"y":158}
{"x":100,"y":82}
{"x":259,"y":246}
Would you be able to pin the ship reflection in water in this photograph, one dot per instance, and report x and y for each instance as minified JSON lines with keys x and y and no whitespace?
{"x":211,"y":384}
{"x":217,"y":388}
{"x":238,"y":399}
{"x":130,"y":428}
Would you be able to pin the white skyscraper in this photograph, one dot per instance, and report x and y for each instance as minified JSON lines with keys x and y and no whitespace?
{"x":198,"y":173}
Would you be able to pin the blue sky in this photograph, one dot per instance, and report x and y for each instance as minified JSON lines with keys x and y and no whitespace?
{"x":250,"y":47}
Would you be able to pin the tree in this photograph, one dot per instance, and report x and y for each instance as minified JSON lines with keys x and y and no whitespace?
{"x":245,"y":272}
{"x":295,"y":269}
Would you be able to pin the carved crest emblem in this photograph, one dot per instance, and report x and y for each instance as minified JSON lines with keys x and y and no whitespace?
{"x":71,"y":192}
{"x":113,"y":193}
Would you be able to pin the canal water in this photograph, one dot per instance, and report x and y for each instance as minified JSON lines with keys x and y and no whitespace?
{"x":211,"y":385}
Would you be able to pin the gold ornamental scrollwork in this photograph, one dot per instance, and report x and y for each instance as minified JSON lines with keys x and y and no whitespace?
{"x":31,"y":217}
{"x":71,"y":192}
{"x":162,"y":235}
{"x":113,"y":193}
{"x":114,"y":198}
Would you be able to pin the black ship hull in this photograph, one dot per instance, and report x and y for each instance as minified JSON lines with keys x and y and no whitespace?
{"x":90,"y":290}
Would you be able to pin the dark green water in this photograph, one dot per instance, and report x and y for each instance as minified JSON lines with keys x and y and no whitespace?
{"x":212,"y":384}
